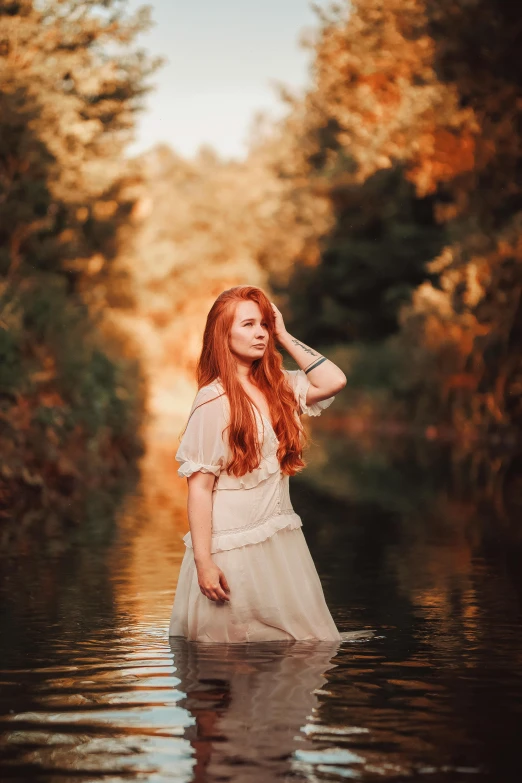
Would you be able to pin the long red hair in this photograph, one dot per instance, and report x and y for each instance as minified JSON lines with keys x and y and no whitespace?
{"x":217,"y":361}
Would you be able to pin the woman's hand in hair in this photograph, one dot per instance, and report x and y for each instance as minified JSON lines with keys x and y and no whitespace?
{"x":280,"y":328}
{"x":212,"y":581}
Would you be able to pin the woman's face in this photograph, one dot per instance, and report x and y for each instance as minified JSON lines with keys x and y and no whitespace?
{"x":249,"y":334}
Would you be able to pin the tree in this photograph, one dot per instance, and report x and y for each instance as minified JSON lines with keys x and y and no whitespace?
{"x":72,"y":82}
{"x":427,"y":93}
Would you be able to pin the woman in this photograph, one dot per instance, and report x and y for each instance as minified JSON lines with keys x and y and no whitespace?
{"x":247,"y":573}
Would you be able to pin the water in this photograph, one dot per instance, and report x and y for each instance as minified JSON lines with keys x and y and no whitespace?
{"x":91,"y":687}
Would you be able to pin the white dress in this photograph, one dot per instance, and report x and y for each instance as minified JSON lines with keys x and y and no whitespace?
{"x":257,"y":540}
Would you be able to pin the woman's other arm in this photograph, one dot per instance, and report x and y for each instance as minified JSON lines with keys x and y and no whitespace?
{"x":211,"y":579}
{"x":202,"y":454}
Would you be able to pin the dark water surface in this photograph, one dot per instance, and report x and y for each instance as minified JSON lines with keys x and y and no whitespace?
{"x":419,"y":546}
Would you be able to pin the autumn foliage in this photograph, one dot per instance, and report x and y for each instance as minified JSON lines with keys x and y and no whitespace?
{"x":383,"y":213}
{"x":411,"y":135}
{"x":71,"y":395}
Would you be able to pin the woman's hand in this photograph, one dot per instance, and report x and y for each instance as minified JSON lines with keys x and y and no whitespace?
{"x":280,"y":328}
{"x":212,"y":581}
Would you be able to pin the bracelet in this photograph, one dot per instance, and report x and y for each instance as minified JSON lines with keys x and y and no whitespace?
{"x":314,"y":365}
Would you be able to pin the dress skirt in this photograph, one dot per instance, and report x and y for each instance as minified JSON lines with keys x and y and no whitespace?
{"x":275,"y":595}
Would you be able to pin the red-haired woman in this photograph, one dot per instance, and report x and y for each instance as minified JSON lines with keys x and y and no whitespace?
{"x":247,"y":574}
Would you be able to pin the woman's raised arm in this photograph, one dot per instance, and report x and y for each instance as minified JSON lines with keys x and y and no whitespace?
{"x":326,"y":378}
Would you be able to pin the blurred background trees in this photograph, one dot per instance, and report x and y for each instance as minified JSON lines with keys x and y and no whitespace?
{"x":382,"y":213}
{"x":71,"y":396}
{"x":411,"y":133}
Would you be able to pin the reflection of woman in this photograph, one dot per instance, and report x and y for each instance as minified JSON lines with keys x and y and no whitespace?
{"x":249,"y":702}
{"x":247,"y":573}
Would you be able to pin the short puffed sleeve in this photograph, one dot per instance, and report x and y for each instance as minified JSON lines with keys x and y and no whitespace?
{"x":300,"y":384}
{"x":202,"y":445}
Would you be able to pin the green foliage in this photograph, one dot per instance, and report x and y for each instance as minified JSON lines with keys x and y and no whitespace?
{"x":65,"y":118}
{"x":371,"y":261}
{"x":400,"y":175}
{"x":11,"y":360}
{"x":71,"y":405}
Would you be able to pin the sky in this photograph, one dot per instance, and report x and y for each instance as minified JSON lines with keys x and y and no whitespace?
{"x":223,"y":57}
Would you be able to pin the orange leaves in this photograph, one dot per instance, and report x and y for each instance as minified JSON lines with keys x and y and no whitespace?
{"x":51,"y":399}
{"x":442,"y":155}
{"x":20,"y":414}
{"x":385,"y":90}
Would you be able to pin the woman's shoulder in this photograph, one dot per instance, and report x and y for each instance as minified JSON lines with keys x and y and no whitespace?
{"x":207,"y":393}
{"x":208,"y":389}
{"x":210,"y":396}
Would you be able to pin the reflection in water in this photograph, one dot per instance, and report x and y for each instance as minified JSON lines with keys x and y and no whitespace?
{"x":92,"y":688}
{"x":249,"y":702}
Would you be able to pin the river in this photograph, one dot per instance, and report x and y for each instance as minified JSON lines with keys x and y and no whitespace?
{"x":412,"y":543}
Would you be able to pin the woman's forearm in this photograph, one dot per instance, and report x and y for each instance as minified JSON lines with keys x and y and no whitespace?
{"x":322,"y":373}
{"x":199,"y":510}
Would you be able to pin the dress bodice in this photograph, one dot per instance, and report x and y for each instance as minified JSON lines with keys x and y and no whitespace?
{"x":245,"y":509}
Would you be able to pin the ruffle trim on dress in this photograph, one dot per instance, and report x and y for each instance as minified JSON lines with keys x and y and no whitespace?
{"x":221,"y":542}
{"x":302,"y":389}
{"x":189,"y":467}
{"x":267,"y":467}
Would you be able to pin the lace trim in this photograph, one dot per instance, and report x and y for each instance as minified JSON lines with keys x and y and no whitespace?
{"x":238,"y":537}
{"x":267,"y":467}
{"x":252,"y":524}
{"x":189,"y":467}
{"x":302,"y":387}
